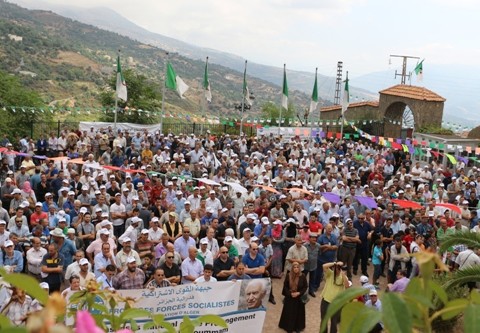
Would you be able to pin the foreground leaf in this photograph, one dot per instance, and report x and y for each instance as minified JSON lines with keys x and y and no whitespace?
{"x":471,"y":322}
{"x":358,"y":318}
{"x":396,"y":314}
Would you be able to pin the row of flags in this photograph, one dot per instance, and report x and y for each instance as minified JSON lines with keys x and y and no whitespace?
{"x":174,"y":82}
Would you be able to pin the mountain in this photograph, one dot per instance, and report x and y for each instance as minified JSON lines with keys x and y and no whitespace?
{"x":71,"y":62}
{"x":108,"y":19}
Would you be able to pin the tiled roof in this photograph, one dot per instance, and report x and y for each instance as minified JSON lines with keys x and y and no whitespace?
{"x":350,"y":106}
{"x":413,"y":92}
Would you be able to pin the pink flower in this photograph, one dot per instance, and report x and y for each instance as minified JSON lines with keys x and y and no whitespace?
{"x":86,"y":324}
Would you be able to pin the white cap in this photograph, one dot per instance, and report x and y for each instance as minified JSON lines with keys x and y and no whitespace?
{"x":247,"y":229}
{"x":144,"y":231}
{"x":187,"y":203}
{"x":83,"y":261}
{"x":44,"y":285}
{"x":265,"y":220}
{"x":130,"y":260}
{"x":210,"y":210}
{"x":224,"y":210}
{"x":3,"y":222}
{"x":83,"y":210}
{"x":254,"y":239}
{"x":179,"y":193}
{"x":70,"y":231}
{"x":154,"y":219}
{"x":228,"y":239}
{"x":136,"y":219}
{"x":276,"y":222}
{"x":251,"y":216}
{"x":363,"y":279}
{"x":126,"y":240}
{"x":104,"y":231}
{"x":8,"y":243}
{"x":211,"y":192}
{"x":71,"y":193}
{"x":205,"y":241}
{"x":48,"y":194}
{"x":17,"y":191}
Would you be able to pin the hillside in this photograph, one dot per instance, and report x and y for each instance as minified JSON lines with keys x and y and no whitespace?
{"x":69,"y":61}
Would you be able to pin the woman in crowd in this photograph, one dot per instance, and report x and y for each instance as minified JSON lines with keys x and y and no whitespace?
{"x":336,"y":281}
{"x":293,"y":312}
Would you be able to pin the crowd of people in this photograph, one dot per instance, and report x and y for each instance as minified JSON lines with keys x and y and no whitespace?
{"x":148,"y":210}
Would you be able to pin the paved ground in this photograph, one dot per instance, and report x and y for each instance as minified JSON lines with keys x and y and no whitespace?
{"x":312,"y":308}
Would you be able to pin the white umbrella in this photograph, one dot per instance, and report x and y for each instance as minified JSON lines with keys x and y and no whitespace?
{"x":236,"y":187}
{"x":208,"y":181}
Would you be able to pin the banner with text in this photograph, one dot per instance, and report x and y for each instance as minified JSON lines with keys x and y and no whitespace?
{"x":241,"y":303}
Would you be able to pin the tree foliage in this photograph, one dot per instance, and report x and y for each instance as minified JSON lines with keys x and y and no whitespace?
{"x":143,"y":94}
{"x":15,"y":119}
{"x":272,"y":111}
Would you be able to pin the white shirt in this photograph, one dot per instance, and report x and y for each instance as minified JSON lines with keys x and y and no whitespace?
{"x":34,"y":260}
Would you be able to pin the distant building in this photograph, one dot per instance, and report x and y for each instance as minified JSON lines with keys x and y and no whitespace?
{"x":15,"y":38}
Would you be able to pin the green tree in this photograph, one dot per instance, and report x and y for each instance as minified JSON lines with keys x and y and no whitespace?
{"x":19,"y":106}
{"x":272,"y":111}
{"x":143,"y":94}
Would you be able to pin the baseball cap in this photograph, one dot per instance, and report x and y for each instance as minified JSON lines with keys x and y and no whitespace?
{"x":363,"y":279}
{"x":126,"y":240}
{"x":83,"y":261}
{"x":104,"y":231}
{"x":373,"y":292}
{"x":130,"y":260}
{"x":205,"y":241}
{"x":144,"y":231}
{"x":228,"y":239}
{"x":44,"y":285}
{"x":70,"y":231}
{"x":8,"y":243}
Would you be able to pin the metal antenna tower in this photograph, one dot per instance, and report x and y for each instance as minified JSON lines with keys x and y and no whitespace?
{"x":338,"y":84}
{"x":404,"y":74}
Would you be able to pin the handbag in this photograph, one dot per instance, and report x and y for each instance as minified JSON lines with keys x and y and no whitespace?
{"x":305,"y":299}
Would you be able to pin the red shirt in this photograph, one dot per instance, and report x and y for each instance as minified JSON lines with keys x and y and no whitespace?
{"x":35,"y":218}
{"x":315,"y":226}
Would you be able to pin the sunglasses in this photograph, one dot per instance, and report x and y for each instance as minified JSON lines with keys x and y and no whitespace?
{"x":224,"y":252}
{"x":169,"y":257}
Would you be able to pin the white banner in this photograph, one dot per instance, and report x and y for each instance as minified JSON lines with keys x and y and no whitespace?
{"x":131,"y":128}
{"x":288,"y":132}
{"x":242,"y":304}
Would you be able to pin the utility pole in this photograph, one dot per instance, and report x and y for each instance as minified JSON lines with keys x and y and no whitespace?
{"x":338,"y":83}
{"x":404,"y":74}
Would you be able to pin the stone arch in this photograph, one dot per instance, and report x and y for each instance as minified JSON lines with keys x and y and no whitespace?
{"x":426,"y":106}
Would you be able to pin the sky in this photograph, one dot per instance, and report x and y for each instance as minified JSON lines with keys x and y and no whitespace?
{"x":306,"y":34}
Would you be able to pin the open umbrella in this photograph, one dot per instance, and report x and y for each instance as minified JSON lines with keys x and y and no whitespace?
{"x":296,"y":189}
{"x":236,"y":187}
{"x":453,"y":207}
{"x":407,"y":204}
{"x":208,"y":181}
{"x":268,"y":188}
{"x":332,"y":197}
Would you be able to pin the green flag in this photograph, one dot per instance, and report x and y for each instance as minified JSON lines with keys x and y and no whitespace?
{"x":419,"y":70}
{"x":285,"y":89}
{"x":206,"y":84}
{"x":174,"y":82}
{"x":346,"y":96}
{"x":121,"y":88}
{"x":314,"y":101}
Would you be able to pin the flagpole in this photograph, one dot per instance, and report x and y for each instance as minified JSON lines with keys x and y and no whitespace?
{"x":116,"y":100}
{"x":281,"y":106}
{"x":243,"y":98}
{"x":311,"y":113}
{"x":163,"y":91}
{"x":343,"y":111}
{"x":205,"y":102}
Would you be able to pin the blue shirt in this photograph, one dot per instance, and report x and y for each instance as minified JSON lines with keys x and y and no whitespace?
{"x":254,"y":263}
{"x":329,"y":255}
{"x":377,"y":253}
{"x":179,"y":204}
{"x":324,"y":217}
{"x":17,"y":260}
{"x":363,"y":231}
{"x":258,"y":229}
{"x":67,"y":251}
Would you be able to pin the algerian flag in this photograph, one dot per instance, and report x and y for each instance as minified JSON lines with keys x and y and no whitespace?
{"x":314,"y":102}
{"x":419,"y":71}
{"x":121,"y":85}
{"x":285,"y":89}
{"x":174,"y":82}
{"x":246,"y":92}
{"x":346,"y":96}
{"x":206,"y":84}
